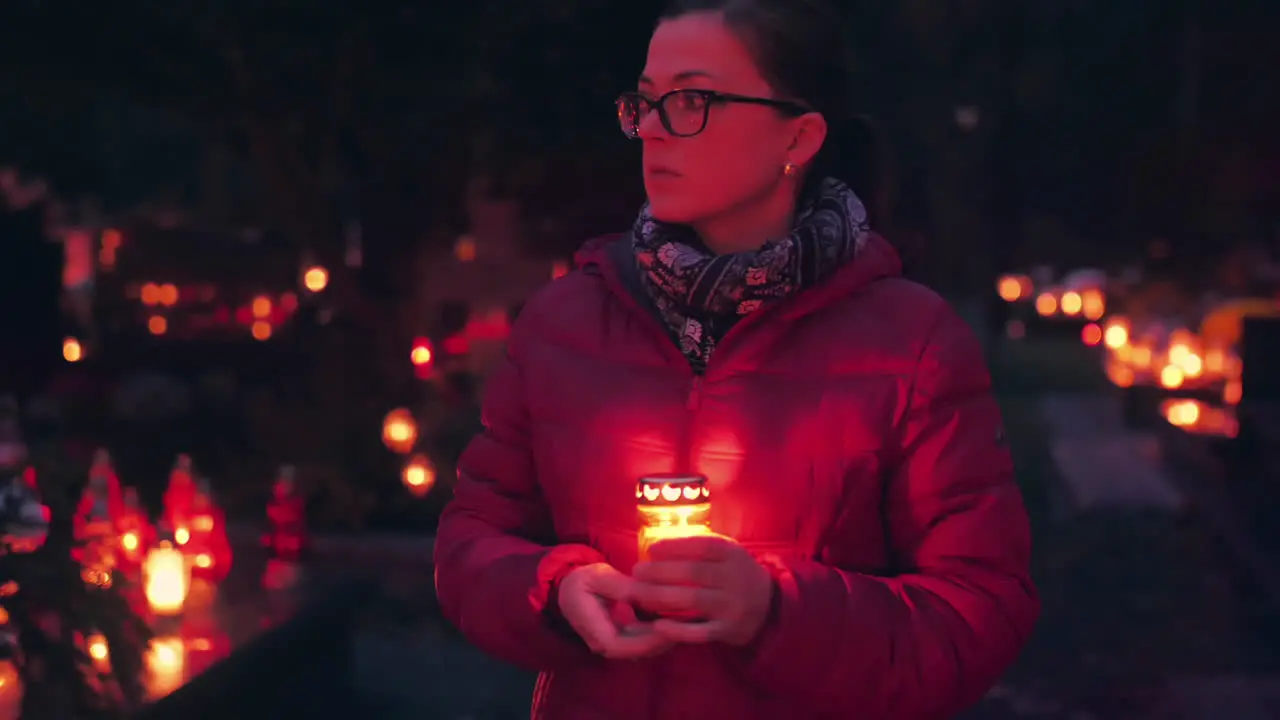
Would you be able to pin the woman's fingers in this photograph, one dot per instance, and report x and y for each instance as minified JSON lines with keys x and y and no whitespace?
{"x":689,"y":632}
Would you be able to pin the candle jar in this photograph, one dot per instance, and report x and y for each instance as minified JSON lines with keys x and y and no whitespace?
{"x":165,"y":661}
{"x":672,"y":506}
{"x":166,"y":579}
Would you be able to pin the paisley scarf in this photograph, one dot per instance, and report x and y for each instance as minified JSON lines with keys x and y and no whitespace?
{"x":701,"y":295}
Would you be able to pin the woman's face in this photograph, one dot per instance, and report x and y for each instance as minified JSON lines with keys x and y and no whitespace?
{"x":739,"y":156}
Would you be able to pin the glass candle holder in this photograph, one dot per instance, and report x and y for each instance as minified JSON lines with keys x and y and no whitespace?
{"x":672,"y":506}
{"x":166,"y":579}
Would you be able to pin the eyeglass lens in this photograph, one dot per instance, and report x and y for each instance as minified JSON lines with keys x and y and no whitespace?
{"x":683,"y":113}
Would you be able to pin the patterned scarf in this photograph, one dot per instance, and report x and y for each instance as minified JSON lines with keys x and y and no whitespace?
{"x":701,"y":295}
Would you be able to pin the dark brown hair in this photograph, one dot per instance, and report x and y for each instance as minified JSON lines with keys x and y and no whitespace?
{"x":801,"y":48}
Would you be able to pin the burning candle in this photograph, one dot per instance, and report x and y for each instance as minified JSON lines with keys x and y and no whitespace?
{"x":166,"y":665}
{"x":672,"y":506}
{"x":11,"y":690}
{"x":166,"y":579}
{"x":99,"y":652}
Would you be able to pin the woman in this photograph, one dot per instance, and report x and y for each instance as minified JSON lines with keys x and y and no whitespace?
{"x":873,"y":549}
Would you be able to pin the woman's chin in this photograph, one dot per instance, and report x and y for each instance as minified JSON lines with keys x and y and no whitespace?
{"x":677,"y":211}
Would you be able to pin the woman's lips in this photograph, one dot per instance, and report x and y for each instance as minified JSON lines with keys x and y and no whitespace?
{"x":660,"y":172}
{"x":660,"y":175}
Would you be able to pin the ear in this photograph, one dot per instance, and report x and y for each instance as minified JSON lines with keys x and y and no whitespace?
{"x":809,"y":133}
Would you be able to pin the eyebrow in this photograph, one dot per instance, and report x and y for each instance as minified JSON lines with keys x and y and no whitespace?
{"x":679,"y":77}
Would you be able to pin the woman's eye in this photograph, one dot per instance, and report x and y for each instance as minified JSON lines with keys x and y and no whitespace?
{"x":689,"y":101}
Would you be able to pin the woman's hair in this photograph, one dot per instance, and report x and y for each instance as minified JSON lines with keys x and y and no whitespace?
{"x":801,"y":48}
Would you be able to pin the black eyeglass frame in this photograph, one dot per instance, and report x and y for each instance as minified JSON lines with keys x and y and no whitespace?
{"x":709,"y":97}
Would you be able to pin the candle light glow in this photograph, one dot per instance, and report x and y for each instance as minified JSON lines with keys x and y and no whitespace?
{"x":672,"y":506}
{"x":165,"y":664}
{"x":167,"y":580}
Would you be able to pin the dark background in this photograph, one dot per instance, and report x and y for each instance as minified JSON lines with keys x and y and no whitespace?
{"x":1067,"y":133}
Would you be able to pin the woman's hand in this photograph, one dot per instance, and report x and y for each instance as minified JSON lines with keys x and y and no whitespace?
{"x":710,"y":577}
{"x":594,"y":601}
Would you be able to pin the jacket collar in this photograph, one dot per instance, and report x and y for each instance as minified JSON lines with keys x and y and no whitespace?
{"x":611,"y":257}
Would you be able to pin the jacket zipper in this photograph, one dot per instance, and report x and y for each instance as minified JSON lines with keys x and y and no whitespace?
{"x":694,"y":400}
{"x":685,"y":459}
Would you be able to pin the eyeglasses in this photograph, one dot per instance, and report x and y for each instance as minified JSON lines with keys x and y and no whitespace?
{"x":684,"y":113}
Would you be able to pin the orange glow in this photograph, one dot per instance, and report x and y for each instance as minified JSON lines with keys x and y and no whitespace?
{"x":1141,"y":357}
{"x":1094,"y":303}
{"x":1192,"y":366}
{"x":1046,"y":304}
{"x":1010,"y":288}
{"x":1182,"y":413}
{"x":1198,"y":418}
{"x":1171,"y":377}
{"x":1232,"y":392}
{"x":204,"y":560}
{"x":182,"y":536}
{"x":96,"y":646}
{"x":1184,"y":354}
{"x":672,"y":507}
{"x":166,"y":579}
{"x":419,"y":476}
{"x":315,"y":279}
{"x":668,"y":524}
{"x":1234,"y":367}
{"x":1071,"y":303}
{"x":1120,"y":375}
{"x":165,"y":662}
{"x":12,"y":689}
{"x":157,"y":325}
{"x":71,"y":350}
{"x":1178,"y":352}
{"x":150,"y":294}
{"x":1215,"y":361}
{"x":96,"y":576}
{"x":261,"y":306}
{"x":167,"y":295}
{"x":1116,"y":335}
{"x":261,"y":330}
{"x":465,"y":249}
{"x":129,"y":541}
{"x":399,"y":431}
{"x":1091,"y":334}
{"x":421,"y":353}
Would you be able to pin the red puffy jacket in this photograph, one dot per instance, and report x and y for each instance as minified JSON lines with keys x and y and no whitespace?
{"x":850,"y":429}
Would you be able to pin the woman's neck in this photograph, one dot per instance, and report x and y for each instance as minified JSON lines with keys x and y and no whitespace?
{"x":748,"y":226}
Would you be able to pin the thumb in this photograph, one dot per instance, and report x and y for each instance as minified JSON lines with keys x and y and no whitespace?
{"x":624,"y":615}
{"x":608,"y":583}
{"x":588,"y":616}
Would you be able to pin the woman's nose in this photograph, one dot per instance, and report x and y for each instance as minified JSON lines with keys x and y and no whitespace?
{"x":651,"y":127}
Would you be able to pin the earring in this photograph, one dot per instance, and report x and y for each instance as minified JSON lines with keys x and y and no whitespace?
{"x":789,"y":169}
